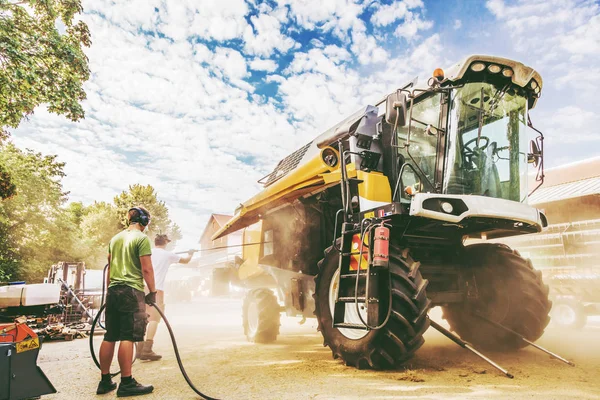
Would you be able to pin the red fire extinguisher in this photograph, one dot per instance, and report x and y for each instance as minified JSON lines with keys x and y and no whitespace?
{"x":381,"y":246}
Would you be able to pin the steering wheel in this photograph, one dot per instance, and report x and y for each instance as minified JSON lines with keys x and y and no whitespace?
{"x":471,"y":151}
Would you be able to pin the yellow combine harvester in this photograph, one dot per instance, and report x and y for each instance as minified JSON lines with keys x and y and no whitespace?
{"x":365,"y":226}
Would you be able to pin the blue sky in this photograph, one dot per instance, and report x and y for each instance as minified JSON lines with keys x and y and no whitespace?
{"x":202,"y":98}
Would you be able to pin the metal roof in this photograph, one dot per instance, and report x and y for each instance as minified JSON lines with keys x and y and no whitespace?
{"x":569,"y":190}
{"x":575,"y":171}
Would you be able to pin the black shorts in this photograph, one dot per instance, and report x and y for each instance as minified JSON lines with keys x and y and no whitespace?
{"x":125,"y":315}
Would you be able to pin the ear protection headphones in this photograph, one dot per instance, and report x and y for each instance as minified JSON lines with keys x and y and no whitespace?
{"x":142,"y":218}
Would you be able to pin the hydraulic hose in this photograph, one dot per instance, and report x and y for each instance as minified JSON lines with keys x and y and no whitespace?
{"x":103,"y":294}
{"x":173,"y":342}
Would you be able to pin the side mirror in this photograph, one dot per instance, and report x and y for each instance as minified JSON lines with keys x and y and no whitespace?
{"x":535,"y":155}
{"x":395,"y":107}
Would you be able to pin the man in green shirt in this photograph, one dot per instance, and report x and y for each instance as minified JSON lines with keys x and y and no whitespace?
{"x":125,"y":316}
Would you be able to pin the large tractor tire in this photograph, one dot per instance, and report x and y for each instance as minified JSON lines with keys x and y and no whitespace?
{"x":389,"y":346}
{"x":261,"y":316}
{"x":509,"y":291}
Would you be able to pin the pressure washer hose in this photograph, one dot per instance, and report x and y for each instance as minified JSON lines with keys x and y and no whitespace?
{"x":173,"y":341}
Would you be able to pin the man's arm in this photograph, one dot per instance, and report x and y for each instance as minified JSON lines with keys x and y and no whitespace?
{"x":108,"y":272}
{"x":187,"y":259}
{"x":148,"y":272}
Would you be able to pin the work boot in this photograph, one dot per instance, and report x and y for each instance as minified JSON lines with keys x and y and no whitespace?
{"x":139,"y":350}
{"x":106,"y":386}
{"x":147,"y":353}
{"x":133,"y":388}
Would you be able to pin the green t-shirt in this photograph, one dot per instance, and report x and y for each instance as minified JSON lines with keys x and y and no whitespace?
{"x":125,"y":250}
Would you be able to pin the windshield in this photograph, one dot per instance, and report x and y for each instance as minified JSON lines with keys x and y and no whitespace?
{"x":487,"y":142}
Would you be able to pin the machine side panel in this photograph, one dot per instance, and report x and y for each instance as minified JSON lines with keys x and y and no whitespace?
{"x":374,"y":191}
{"x":251,"y":253}
{"x":286,"y":189}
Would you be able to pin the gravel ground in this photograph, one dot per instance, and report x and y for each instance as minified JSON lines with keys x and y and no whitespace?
{"x":221,"y":363}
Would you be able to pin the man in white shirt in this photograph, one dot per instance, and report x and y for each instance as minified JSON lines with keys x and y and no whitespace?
{"x":161,"y":260}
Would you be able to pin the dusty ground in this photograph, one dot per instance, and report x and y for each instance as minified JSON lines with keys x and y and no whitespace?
{"x":297,"y":366}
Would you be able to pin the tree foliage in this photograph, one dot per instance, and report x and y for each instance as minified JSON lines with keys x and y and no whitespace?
{"x":7,"y":186}
{"x":39,"y":64}
{"x":38,"y":228}
{"x":32,"y":223}
{"x":145,"y":196}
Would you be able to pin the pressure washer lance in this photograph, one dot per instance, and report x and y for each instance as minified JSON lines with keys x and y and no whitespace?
{"x":467,"y":346}
{"x":497,"y":325}
{"x":222,"y":247}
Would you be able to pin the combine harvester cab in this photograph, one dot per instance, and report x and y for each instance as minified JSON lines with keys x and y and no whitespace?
{"x":364,"y":227}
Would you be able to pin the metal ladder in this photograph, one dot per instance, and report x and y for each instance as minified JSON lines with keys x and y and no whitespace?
{"x":347,"y":281}
{"x":346,"y":289}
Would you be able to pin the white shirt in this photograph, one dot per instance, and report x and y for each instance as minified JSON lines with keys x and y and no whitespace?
{"x":161,"y":260}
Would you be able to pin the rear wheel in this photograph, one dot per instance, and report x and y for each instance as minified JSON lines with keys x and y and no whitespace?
{"x":569,"y":313}
{"x":509,"y":291}
{"x":261,"y":316}
{"x":398,"y":339}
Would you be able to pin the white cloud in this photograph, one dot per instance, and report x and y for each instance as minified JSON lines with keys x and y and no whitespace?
{"x":537,"y":26}
{"x":336,"y":53}
{"x":216,"y":19}
{"x":365,"y":47}
{"x":336,"y":16}
{"x":264,"y":36}
{"x":317,"y":43}
{"x":406,"y":11}
{"x":572,"y":124}
{"x":496,"y":7}
{"x":263,"y":65}
{"x":210,"y":19}
{"x":457,"y":24}
{"x":310,"y":13}
{"x":411,"y":26}
{"x":231,"y":63}
{"x":584,"y":39}
{"x":386,"y":14}
{"x":317,"y":60}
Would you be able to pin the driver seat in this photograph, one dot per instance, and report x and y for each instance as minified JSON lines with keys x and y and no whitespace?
{"x":489,"y":177}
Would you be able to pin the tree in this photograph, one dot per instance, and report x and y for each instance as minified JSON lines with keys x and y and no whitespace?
{"x":35,"y":228}
{"x":145,"y":196}
{"x":38,"y":228}
{"x":99,"y":223}
{"x":38,"y":64}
